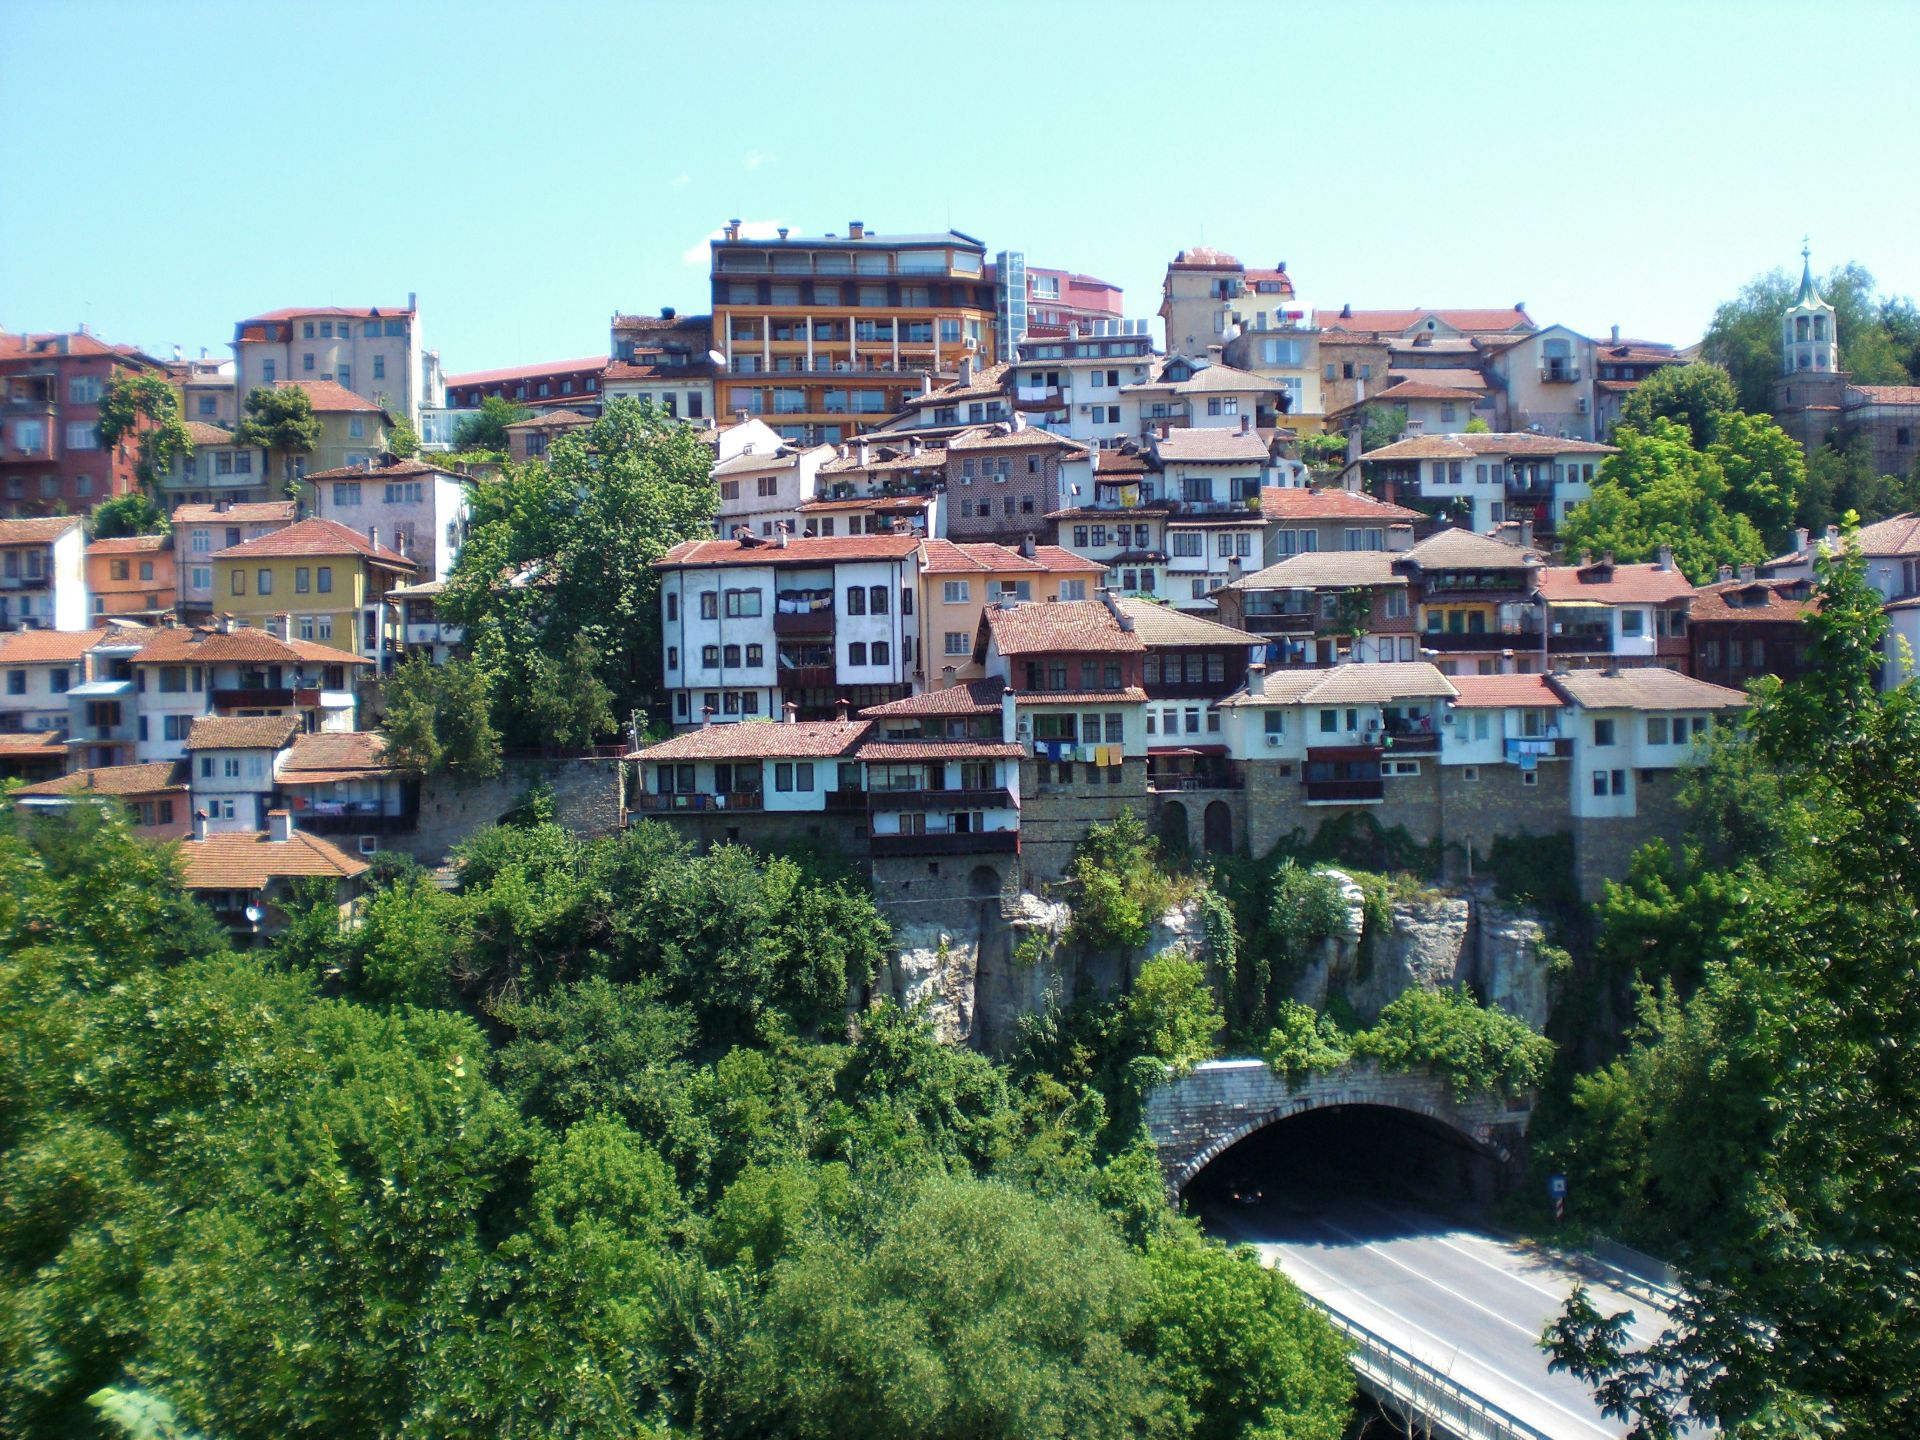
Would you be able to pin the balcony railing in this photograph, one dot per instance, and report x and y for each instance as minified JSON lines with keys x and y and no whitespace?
{"x":1413,"y":742}
{"x":247,"y":697}
{"x":356,"y":823}
{"x":1344,"y":791}
{"x":997,"y":798}
{"x":1280,"y":622}
{"x":806,"y":622}
{"x":733,"y":801}
{"x":976,"y":842}
{"x":1561,"y":374}
{"x":23,"y":582}
{"x":846,"y":801}
{"x":1542,"y":748}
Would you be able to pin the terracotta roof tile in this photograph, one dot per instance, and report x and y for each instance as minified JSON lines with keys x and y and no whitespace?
{"x":1025,"y":438}
{"x":802,"y":551}
{"x":1280,"y":502}
{"x":397,"y":468}
{"x":330,"y":398}
{"x":1219,"y":446}
{"x":301,"y":312}
{"x":1895,"y":536}
{"x":1889,"y":394}
{"x":949,"y":557}
{"x":1753,"y":600}
{"x":336,"y":750}
{"x":28,"y":647}
{"x":1492,"y":321}
{"x":1359,"y":684}
{"x":30,"y":743}
{"x":42,"y":531}
{"x":130,"y":545}
{"x":146,"y":778}
{"x":881,"y":751}
{"x":1070,"y":626}
{"x":1317,"y":569}
{"x":973,"y":697}
{"x":178,"y":644}
{"x":1502,"y":692}
{"x":551,"y":420}
{"x":1467,"y":446}
{"x":1455,"y":547}
{"x":1131,"y":695}
{"x":248,"y":512}
{"x":761,"y":740}
{"x":242,"y":732}
{"x":988,"y":381}
{"x":1644,"y":584}
{"x":203,"y":434}
{"x":593,"y":363}
{"x":239,"y":860}
{"x":313,"y":536}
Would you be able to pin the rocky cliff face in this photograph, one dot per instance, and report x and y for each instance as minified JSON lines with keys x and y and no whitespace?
{"x":1435,"y":941}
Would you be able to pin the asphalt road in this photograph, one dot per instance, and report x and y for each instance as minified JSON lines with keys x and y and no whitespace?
{"x":1471,"y":1305}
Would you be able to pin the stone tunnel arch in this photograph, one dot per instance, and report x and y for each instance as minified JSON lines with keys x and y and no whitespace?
{"x":1198,"y":1117}
{"x":1217,"y":828}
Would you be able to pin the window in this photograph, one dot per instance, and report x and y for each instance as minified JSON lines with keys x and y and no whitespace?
{"x":769,"y":486}
{"x":264,"y":582}
{"x":1603,"y":732}
{"x":882,"y":653}
{"x":405,"y":492}
{"x":82,"y":436}
{"x":306,"y":362}
{"x":1657,"y":729}
{"x":1600,"y":783}
{"x":379,"y":368}
{"x":958,"y":642}
{"x":857,"y":653}
{"x":876,"y":599}
{"x":856,"y":600}
{"x":1619,"y":778}
{"x":230,"y":767}
{"x":709,"y":605}
{"x":346,"y":492}
{"x":323,"y":579}
{"x":200,"y":577}
{"x":1188,"y":544}
{"x":302,"y":579}
{"x":238,"y":583}
{"x":957,"y":592}
{"x":1073,"y":589}
{"x":267,"y":371}
{"x":710,"y":656}
{"x":345,"y":376}
{"x":1396,"y":604}
{"x":1633,"y":623}
{"x":743,"y":604}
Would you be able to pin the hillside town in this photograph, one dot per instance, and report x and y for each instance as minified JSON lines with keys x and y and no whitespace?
{"x":988,"y":561}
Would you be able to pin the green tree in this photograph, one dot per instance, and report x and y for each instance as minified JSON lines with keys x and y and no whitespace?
{"x":1695,"y":395}
{"x":486,"y":429}
{"x":402,"y":439}
{"x":1477,"y":1049}
{"x":439,"y":719}
{"x":1765,"y":1125}
{"x":279,"y":420}
{"x":567,"y":701}
{"x":1658,"y":490}
{"x":1235,"y":1342}
{"x":142,"y":407}
{"x":1841,"y":480}
{"x":1171,"y":1017}
{"x":1382,"y":425}
{"x":559,"y":563}
{"x":134,"y":513}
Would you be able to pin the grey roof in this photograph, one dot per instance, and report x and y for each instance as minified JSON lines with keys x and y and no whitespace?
{"x":1317,"y":569}
{"x":1643,"y":688}
{"x":1162,"y":625}
{"x":1214,"y":445}
{"x":1467,"y":547}
{"x":1358,"y":684}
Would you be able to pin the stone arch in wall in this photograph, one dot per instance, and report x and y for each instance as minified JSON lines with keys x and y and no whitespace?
{"x":1217,"y":828}
{"x":983,"y":882}
{"x":1175,"y":836}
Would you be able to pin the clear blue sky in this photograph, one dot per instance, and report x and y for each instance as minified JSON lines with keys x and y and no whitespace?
{"x":172,"y":167}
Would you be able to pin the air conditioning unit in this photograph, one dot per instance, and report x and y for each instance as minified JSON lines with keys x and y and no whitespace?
{"x":1274,"y":740}
{"x":1582,"y":405}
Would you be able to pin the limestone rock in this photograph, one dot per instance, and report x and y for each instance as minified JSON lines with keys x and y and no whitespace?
{"x":938,"y":966}
{"x":1511,"y":972}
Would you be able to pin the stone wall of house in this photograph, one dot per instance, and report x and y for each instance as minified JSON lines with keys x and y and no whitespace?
{"x":1053,"y":816}
{"x":1603,"y":848}
{"x":587,"y":799}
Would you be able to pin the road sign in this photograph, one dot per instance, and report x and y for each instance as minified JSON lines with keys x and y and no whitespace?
{"x":1557,"y":1186}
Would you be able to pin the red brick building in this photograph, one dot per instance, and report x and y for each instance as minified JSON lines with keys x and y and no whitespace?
{"x":51,"y":459}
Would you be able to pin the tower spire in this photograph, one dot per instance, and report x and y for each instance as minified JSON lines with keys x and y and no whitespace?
{"x":1807,"y":292}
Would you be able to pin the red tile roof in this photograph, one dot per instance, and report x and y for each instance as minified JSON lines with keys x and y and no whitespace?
{"x":761,"y":740}
{"x":594,"y":363}
{"x":330,"y":398}
{"x":301,"y":312}
{"x":248,"y":861}
{"x":30,"y":743}
{"x":313,"y":536}
{"x":1606,"y":584}
{"x":1066,"y":626}
{"x":1890,"y":394}
{"x":178,"y":644}
{"x":29,"y":647}
{"x":1423,"y":390}
{"x":242,"y":732}
{"x":1131,"y":695}
{"x":147,"y":778}
{"x":1646,"y":687}
{"x":203,"y":434}
{"x":801,"y":551}
{"x":1499,"y":692}
{"x":552,"y":420}
{"x":1309,"y":503}
{"x":130,"y":545}
{"x":43,"y":531}
{"x":948,"y":557}
{"x":1467,"y":446}
{"x":249,"y":512}
{"x":1393,"y":321}
{"x":971,"y":697}
{"x":1753,"y":600}
{"x":1898,"y":535}
{"x":1031,"y":437}
{"x":884,"y":751}
{"x":399,"y":468}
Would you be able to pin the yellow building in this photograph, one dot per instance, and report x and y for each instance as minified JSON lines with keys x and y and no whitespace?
{"x":330,"y":581}
{"x":827,"y":336}
{"x":958,"y":582}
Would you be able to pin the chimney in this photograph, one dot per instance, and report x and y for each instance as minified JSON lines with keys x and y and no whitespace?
{"x":1616,"y":335}
{"x":1246,"y":424}
{"x":203,"y":352}
{"x":856,"y":230}
{"x":220,"y":507}
{"x":780,"y":534}
{"x":1586,"y":558}
{"x":1019,"y":421}
{"x":1163,"y":428}
{"x":1027,"y":548}
{"x":926,"y":382}
{"x":373,"y":536}
{"x":913,"y":445}
{"x":733,"y":229}
{"x":1399,"y":538}
{"x":840,"y":709}
{"x":1801,"y":538}
{"x":178,"y":354}
{"x":1746,"y":572}
{"x":1008,"y":726}
{"x":1606,"y":558}
{"x":706,"y":717}
{"x":413,"y":301}
{"x":1234,"y":569}
{"x":1346,"y":312}
{"x":199,"y":824}
{"x":966,"y":370}
{"x":783,"y":232}
{"x":790,"y":713}
{"x":947,"y":676}
{"x":279,"y":826}
{"x":1526,"y":534}
{"x":1665,"y":560}
{"x":227,"y":623}
{"x":1726,"y":574}
{"x":281,"y":626}
{"x":865,"y":451}
{"x":1256,"y":677}
{"x":667,"y":312}
{"x":1833,"y":537}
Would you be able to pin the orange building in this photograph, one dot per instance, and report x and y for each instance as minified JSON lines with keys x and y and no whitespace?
{"x":827,"y":336}
{"x":132,"y":576}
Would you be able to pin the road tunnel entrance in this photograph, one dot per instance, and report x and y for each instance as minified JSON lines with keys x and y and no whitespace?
{"x":1326,"y":1158}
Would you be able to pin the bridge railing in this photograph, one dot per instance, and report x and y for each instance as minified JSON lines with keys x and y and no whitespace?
{"x":1429,"y":1395}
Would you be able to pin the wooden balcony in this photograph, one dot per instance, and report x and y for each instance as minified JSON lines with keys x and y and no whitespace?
{"x":990,"y":799}
{"x":978,"y":842}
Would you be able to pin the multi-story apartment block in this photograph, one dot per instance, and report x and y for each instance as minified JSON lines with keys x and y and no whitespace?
{"x":1203,"y":290}
{"x":1120,"y":520}
{"x":415,"y":509}
{"x":978,"y":395}
{"x":43,"y":574}
{"x":1071,"y":383}
{"x":131,"y":577}
{"x":202,"y":529}
{"x":1213,"y":481}
{"x":959,"y":581}
{"x":231,"y":763}
{"x":749,"y":625}
{"x":1031,"y":300}
{"x":331,"y":581}
{"x":1305,"y":518}
{"x":1474,"y":595}
{"x":874,"y":486}
{"x":1629,"y":727}
{"x":206,"y":389}
{"x":1543,"y":381}
{"x":182,"y":674}
{"x":826,"y":336}
{"x":764,"y":490}
{"x":1326,"y":607}
{"x":1183,"y":394}
{"x":664,"y":360}
{"x":218,"y":468}
{"x":374,"y":353}
{"x":154,"y":797}
{"x":574,"y":384}
{"x":37,"y":670}
{"x":1363,"y":351}
{"x":51,"y":458}
{"x":1602,"y":613}
{"x":103,"y":710}
{"x":1004,"y":480}
{"x":1487,"y":480}
{"x":1619,"y":366}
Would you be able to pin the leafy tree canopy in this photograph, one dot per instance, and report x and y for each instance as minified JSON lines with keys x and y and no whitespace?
{"x":142,"y":407}
{"x":280,"y":420}
{"x":134,"y":513}
{"x":486,"y":429}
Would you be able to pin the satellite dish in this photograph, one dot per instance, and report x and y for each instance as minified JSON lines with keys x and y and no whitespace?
{"x":717,"y":358}
{"x":253,"y":914}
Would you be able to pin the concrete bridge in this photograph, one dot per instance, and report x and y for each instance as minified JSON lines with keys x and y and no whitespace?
{"x":1197,"y":1117}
